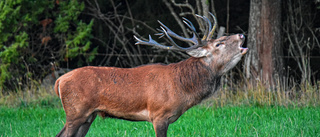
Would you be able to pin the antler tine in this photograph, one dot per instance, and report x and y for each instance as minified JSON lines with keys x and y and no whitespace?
{"x":165,"y":31}
{"x":160,"y":34}
{"x":190,"y":25}
{"x":169,"y":33}
{"x":151,"y":42}
{"x":209,"y":29}
{"x":208,"y":26}
{"x":174,"y":45}
{"x":214,"y":26}
{"x":173,"y":34}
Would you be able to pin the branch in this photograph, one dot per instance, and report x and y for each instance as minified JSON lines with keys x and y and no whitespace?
{"x":177,"y":18}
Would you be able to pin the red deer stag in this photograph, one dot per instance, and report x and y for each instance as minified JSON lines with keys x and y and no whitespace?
{"x":156,"y":93}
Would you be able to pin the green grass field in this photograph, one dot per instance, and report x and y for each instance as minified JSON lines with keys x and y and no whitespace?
{"x":198,"y":121}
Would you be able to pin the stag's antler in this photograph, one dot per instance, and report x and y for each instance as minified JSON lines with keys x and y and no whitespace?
{"x":197,"y":42}
{"x":208,"y":34}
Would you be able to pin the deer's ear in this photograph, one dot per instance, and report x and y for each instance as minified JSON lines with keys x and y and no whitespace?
{"x":198,"y":53}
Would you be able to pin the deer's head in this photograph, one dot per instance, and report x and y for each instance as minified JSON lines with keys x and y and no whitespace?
{"x":220,"y":54}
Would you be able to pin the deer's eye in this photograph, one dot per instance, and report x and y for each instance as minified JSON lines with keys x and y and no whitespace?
{"x":219,"y":44}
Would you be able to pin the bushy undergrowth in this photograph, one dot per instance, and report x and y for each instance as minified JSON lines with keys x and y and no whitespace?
{"x":34,"y":97}
{"x":308,"y":96}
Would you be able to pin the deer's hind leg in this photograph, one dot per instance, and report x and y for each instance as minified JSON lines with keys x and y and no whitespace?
{"x":77,"y":127}
{"x":62,"y":133}
{"x":84,"y":128}
{"x":78,"y":120}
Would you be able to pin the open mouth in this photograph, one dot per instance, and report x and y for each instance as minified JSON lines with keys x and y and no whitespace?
{"x":242,"y":49}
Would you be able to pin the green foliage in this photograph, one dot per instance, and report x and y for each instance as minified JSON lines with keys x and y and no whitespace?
{"x":78,"y":41}
{"x":10,"y":39}
{"x":69,"y":11}
{"x":5,"y":74}
{"x":80,"y":37}
{"x":28,"y":46}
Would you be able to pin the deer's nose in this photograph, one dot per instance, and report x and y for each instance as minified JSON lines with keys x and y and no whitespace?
{"x":241,"y":36}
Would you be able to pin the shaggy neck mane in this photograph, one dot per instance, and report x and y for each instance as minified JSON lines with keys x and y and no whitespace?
{"x":192,"y":76}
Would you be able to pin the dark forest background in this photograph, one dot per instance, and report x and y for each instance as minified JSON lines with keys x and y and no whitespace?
{"x":43,"y":39}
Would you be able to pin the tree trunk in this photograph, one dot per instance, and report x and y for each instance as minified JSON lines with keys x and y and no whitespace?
{"x":264,"y":62}
{"x":205,"y":8}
